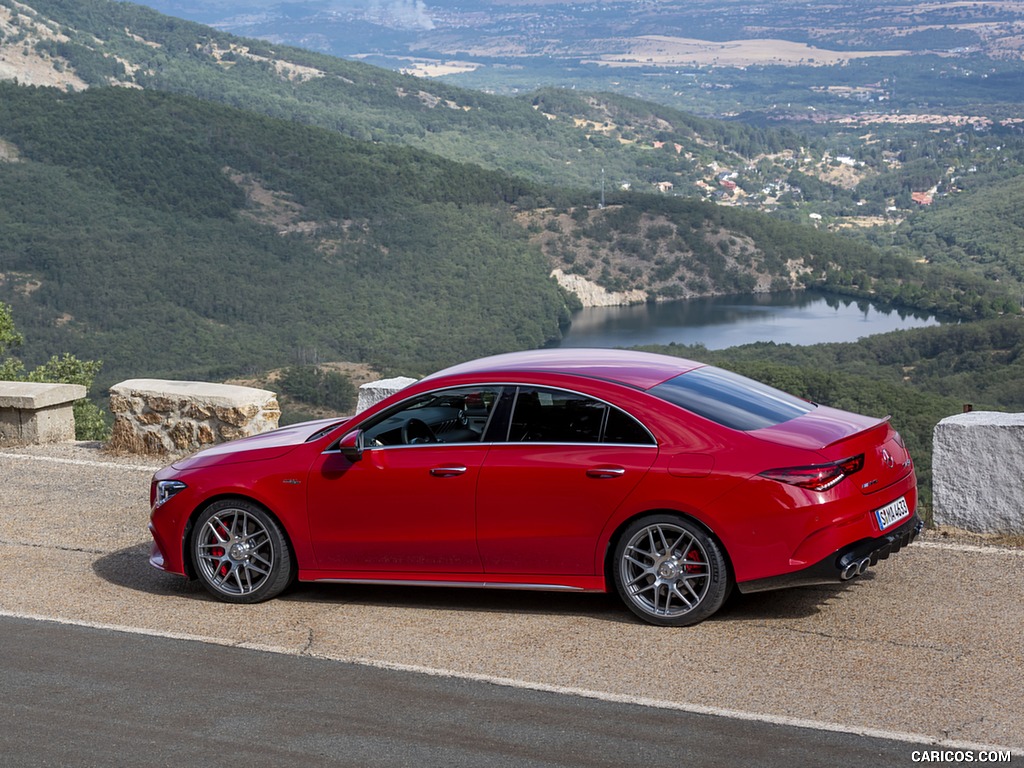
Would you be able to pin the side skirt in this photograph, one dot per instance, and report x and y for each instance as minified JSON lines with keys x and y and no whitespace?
{"x":476,"y":581}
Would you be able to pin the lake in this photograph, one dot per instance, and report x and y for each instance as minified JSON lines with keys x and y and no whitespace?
{"x":728,"y":321}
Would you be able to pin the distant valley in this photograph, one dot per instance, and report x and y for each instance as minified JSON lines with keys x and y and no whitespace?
{"x":682,"y":49}
{"x":621,"y":33}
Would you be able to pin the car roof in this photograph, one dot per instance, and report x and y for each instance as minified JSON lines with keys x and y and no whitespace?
{"x":641,"y":370}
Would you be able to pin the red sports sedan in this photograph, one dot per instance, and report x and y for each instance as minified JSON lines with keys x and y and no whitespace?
{"x":666,"y":480}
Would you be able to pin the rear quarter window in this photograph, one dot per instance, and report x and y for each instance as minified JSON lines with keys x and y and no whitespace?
{"x":731,"y":400}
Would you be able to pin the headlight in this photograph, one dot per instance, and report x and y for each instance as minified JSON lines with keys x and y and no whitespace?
{"x":165,"y":489}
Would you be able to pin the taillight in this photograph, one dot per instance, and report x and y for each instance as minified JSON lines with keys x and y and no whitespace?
{"x":817,"y":477}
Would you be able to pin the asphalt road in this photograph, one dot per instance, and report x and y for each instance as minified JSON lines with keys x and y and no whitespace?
{"x":79,"y":696}
{"x":926,"y":650}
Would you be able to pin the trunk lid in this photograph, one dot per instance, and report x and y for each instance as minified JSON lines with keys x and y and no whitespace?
{"x":838,"y":435}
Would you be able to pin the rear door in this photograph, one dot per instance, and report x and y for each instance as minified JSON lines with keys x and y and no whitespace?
{"x":548,"y":485}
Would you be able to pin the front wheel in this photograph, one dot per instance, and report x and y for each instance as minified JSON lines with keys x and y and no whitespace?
{"x":240,"y":553}
{"x":669,"y":571}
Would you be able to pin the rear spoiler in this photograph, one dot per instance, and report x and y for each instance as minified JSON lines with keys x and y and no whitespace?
{"x":867,"y":430}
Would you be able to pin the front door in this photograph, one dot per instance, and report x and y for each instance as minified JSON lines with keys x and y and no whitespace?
{"x":409,"y":504}
{"x":396,"y":510}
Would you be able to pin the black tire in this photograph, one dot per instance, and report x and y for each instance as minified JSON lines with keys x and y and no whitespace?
{"x":240,"y":553}
{"x":669,"y":571}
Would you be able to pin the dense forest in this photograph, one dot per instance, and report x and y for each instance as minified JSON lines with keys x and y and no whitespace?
{"x":165,"y":234}
{"x":124,"y":237}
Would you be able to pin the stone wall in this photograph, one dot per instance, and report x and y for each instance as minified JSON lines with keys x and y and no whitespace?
{"x":976,"y":472}
{"x":977,"y":483}
{"x":153,"y":416}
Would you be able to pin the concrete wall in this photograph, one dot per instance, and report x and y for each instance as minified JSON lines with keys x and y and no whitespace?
{"x":978,"y":472}
{"x":33,"y":413}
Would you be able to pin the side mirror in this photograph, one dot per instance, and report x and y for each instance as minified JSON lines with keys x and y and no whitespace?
{"x":351,"y":445}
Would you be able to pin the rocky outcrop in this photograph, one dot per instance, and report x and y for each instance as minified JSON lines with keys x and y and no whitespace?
{"x":153,"y":416}
{"x":976,"y":473}
{"x":593,"y":295}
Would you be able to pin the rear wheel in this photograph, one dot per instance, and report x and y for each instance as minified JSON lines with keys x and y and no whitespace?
{"x":669,"y":571}
{"x":240,"y":553}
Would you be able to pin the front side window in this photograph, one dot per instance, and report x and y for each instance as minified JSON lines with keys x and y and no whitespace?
{"x":458,"y":415}
{"x":731,"y":400}
{"x":542,"y":415}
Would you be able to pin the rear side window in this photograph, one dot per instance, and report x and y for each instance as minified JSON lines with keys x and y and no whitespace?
{"x":731,"y":400}
{"x":557,"y":416}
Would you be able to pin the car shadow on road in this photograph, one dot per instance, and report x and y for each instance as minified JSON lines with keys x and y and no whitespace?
{"x":793,"y":603}
{"x":466,"y":600}
{"x":129,"y":568}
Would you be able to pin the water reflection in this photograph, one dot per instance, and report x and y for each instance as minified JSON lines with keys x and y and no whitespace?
{"x":802,"y":317}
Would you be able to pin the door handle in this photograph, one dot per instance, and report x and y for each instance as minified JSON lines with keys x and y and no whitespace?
{"x":604,"y":473}
{"x":448,"y":471}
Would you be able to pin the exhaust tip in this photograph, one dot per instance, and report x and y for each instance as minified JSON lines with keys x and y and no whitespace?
{"x":855,"y":569}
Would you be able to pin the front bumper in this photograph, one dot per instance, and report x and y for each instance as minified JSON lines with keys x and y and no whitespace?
{"x":844,"y":564}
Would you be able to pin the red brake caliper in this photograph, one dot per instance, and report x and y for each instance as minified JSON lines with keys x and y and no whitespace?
{"x":218,"y":551}
{"x":693,"y":554}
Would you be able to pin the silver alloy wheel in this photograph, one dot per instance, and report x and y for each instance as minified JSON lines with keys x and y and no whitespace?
{"x":234,"y":551}
{"x":664,"y":570}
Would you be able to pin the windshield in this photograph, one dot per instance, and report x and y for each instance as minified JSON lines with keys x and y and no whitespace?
{"x":731,"y":400}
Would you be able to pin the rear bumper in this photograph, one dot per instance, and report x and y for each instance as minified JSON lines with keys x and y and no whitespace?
{"x":844,"y":564}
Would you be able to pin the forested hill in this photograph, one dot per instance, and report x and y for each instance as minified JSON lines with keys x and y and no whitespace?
{"x":558,"y":137}
{"x":553,"y":137}
{"x":171,"y":236}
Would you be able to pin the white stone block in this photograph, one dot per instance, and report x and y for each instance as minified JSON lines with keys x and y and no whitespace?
{"x":977,"y":483}
{"x":373,"y":392}
{"x":32,"y":413}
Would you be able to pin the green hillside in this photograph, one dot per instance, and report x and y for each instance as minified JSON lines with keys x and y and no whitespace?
{"x":170,"y":236}
{"x":981,"y":231}
{"x":565,"y":138}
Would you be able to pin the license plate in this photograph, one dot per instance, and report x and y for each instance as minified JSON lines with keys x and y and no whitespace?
{"x":891,"y":514}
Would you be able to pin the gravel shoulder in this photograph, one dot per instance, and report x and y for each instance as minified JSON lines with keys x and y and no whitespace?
{"x":927,"y":643}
